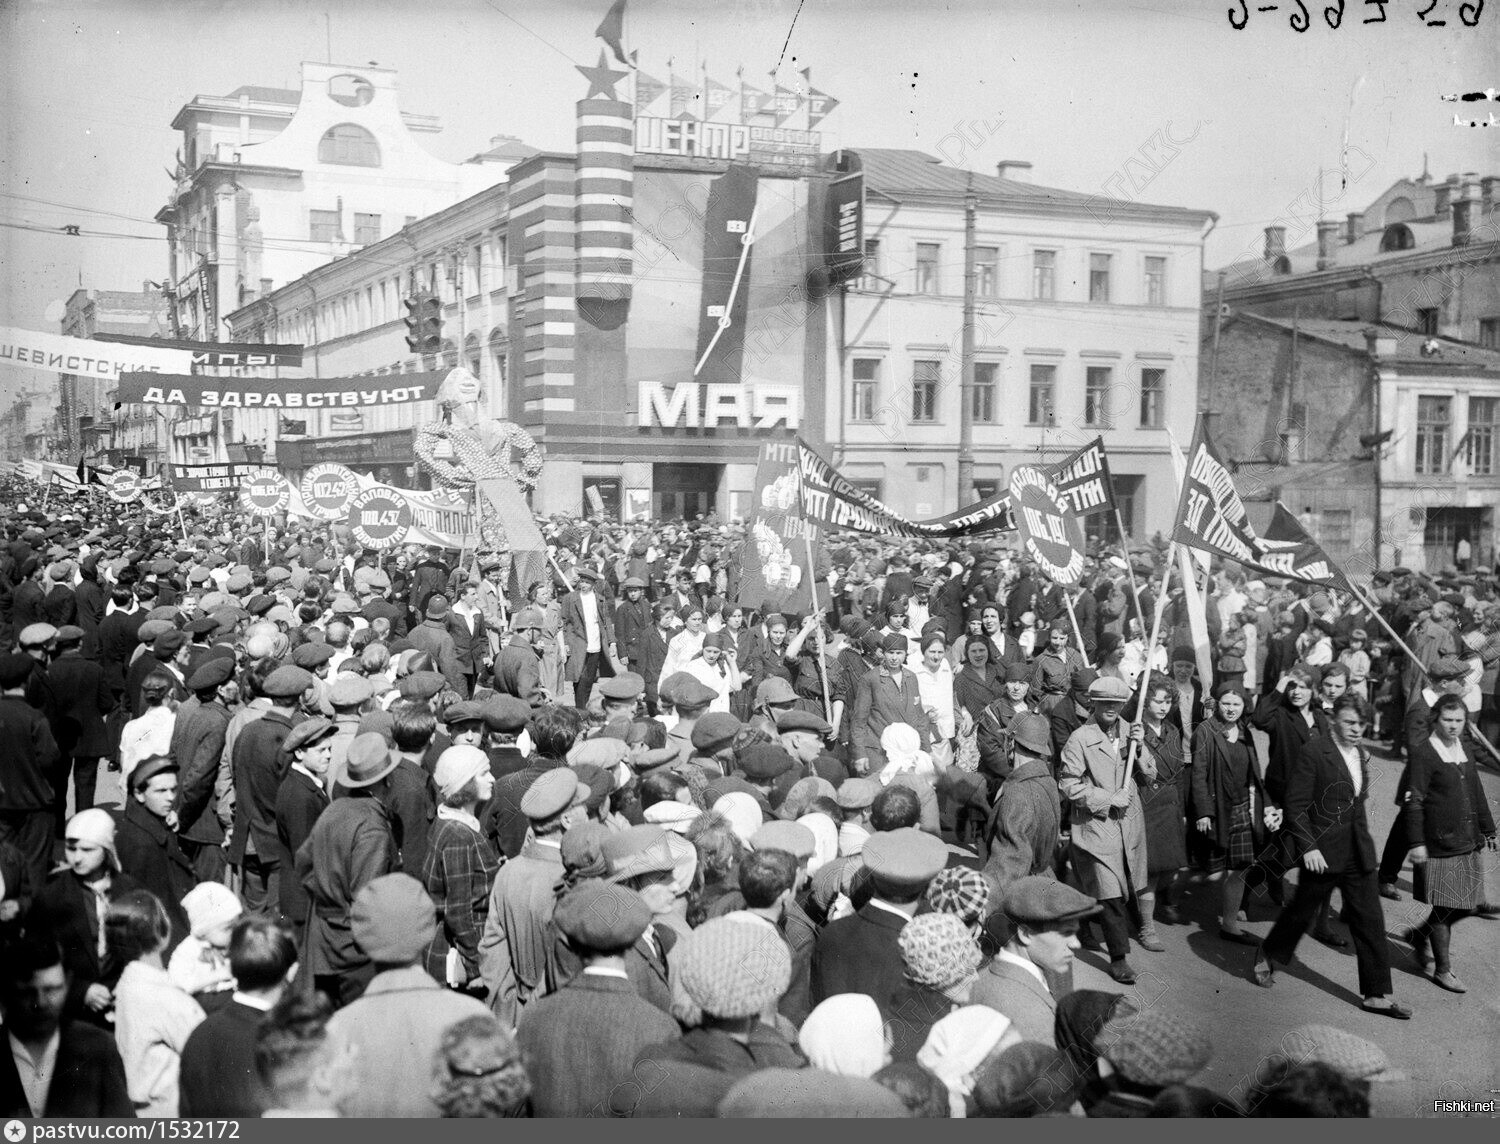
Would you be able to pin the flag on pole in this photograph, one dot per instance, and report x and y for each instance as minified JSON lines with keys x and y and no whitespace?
{"x":716,"y":96}
{"x":648,"y":89}
{"x":1188,"y":573}
{"x":1084,"y":481}
{"x":612,"y":31}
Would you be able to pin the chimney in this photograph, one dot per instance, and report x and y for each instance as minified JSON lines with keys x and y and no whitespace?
{"x":1354,"y":220}
{"x":1444,"y":192}
{"x":1463,"y":213}
{"x":1275,"y":242}
{"x":1016,"y":170}
{"x":1327,"y":228}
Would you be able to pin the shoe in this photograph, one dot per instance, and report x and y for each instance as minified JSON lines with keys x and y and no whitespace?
{"x":1121,"y":972}
{"x":1388,"y":890}
{"x":1149,"y":941}
{"x":1169,"y":915}
{"x":1485,"y":910}
{"x":1393,"y":1009}
{"x":1239,"y":937}
{"x":1449,"y":982}
{"x":1262,"y":972}
{"x":1331,"y":939}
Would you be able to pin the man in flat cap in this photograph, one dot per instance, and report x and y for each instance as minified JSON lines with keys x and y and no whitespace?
{"x":433,"y":637}
{"x":588,"y":625}
{"x":258,"y":768}
{"x":197,"y":747}
{"x":581,"y":1043}
{"x":301,"y":800}
{"x":803,"y":735}
{"x":1108,"y":824}
{"x":146,"y":840}
{"x":1023,"y":828}
{"x":82,"y":700}
{"x":1044,"y":916}
{"x":889,"y":694}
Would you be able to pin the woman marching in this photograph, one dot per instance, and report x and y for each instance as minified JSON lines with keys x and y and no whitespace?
{"x":1449,"y":820}
{"x":1163,"y":797}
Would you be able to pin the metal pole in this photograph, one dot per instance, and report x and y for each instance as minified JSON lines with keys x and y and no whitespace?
{"x":1213,"y":358}
{"x":1083,"y":651}
{"x":966,"y":365}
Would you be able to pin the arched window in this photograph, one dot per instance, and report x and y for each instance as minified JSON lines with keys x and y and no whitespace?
{"x":1399,"y":210}
{"x":1397,"y":237}
{"x":472,"y":360}
{"x":499,"y":350}
{"x":349,"y":145}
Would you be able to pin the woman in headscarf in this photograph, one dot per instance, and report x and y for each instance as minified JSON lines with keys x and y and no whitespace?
{"x":940,"y":959}
{"x":958,"y":1047}
{"x":973,"y":633}
{"x":977,"y":684}
{"x":845,"y":1035}
{"x":714,"y":667}
{"x":1163,"y":797}
{"x":825,"y":834}
{"x":461,"y":866}
{"x":1226,"y":802}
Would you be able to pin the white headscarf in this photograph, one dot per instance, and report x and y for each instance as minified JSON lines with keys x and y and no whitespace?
{"x":845,"y":1035}
{"x":672,"y":815}
{"x":743,"y":813}
{"x":903,"y":751}
{"x":958,"y":1045}
{"x":825,"y":840}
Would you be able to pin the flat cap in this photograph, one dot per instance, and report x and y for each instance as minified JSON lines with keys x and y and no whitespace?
{"x":1032,"y":731}
{"x":905,"y":856}
{"x":1448,"y":667}
{"x":1108,"y":689}
{"x":1036,"y":900}
{"x":421,"y":685}
{"x":632,"y":582}
{"x":349,"y":690}
{"x":202,"y":626}
{"x":239,"y":582}
{"x":764,"y":762}
{"x":15,"y":669}
{"x":856,"y":794}
{"x":36,"y":635}
{"x":311,"y":655}
{"x":552,"y":793}
{"x":695,"y":694}
{"x":278,"y":575}
{"x":802,"y":721}
{"x":715,"y":730}
{"x":169,"y":643}
{"x":287,"y":682}
{"x":1355,"y":1057}
{"x":895,"y":642}
{"x":637,"y":850}
{"x":464,"y":711}
{"x":775,"y":690}
{"x":625,"y":686}
{"x":393,"y":919}
{"x":1154,"y":1047}
{"x":308,"y":733}
{"x":601,"y":917}
{"x":148,"y":769}
{"x":669,"y":687}
{"x":69,"y":634}
{"x":506,"y":714}
{"x":215,"y":671}
{"x":796,"y":839}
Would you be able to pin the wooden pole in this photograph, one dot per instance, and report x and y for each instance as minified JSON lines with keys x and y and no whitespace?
{"x":1161,"y":608}
{"x":1083,"y":651}
{"x":812,"y":587}
{"x":1135,"y":593}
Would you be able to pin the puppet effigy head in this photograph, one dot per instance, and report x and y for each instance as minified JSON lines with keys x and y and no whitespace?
{"x":460,"y":387}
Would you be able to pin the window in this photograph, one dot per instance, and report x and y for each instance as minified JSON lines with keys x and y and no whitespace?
{"x":472,"y":358}
{"x":1434,"y":415}
{"x":323,"y":226}
{"x":928,"y":254}
{"x":1156,"y":281}
{"x":1484,"y":421}
{"x":1153,"y":397}
{"x":1427,"y":322}
{"x":1040,"y":408}
{"x":366,"y":228}
{"x":866,"y":389}
{"x":1336,"y":530}
{"x":349,"y":145}
{"x":1293,"y":435}
{"x":1099,"y":277}
{"x":924,"y":389}
{"x":1044,"y":275}
{"x":872,"y":263}
{"x":982,"y":396}
{"x":986,"y":271}
{"x":498,"y":349}
{"x":1489,"y":333}
{"x":1099,"y":379}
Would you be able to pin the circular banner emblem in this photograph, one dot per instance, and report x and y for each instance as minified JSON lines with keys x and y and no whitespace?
{"x":124,"y":486}
{"x":1049,"y":532}
{"x":267,"y":493}
{"x":327,"y":490}
{"x":379,"y":517}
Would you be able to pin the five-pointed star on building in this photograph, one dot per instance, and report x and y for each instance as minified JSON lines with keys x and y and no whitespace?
{"x":602,"y":79}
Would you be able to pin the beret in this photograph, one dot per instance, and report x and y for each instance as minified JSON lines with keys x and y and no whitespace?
{"x":626,"y":685}
{"x":323,"y":565}
{"x":349,"y":690}
{"x":775,"y":690}
{"x":714,"y":730}
{"x":15,"y":669}
{"x":238,"y":583}
{"x":393,"y":919}
{"x":796,"y":839}
{"x":553,"y":792}
{"x":215,"y":671}
{"x":421,"y":685}
{"x":169,"y":643}
{"x":311,"y":655}
{"x":905,"y":856}
{"x":308,"y":732}
{"x":148,"y":769}
{"x":693,"y":693}
{"x":464,"y":711}
{"x":1108,"y":689}
{"x":802,"y":721}
{"x":601,"y":917}
{"x":1038,"y":900}
{"x":506,"y":713}
{"x":287,"y":682}
{"x":162,"y":567}
{"x":856,"y":794}
{"x":733,"y":968}
{"x":894,"y":642}
{"x":763,"y":762}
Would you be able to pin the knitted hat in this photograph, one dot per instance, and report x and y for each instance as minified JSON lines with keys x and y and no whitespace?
{"x":962,"y":892}
{"x":1355,"y":1057}
{"x":210,"y":905}
{"x":393,"y":920}
{"x":1154,"y":1048}
{"x":938,"y":950}
{"x":732,"y":968}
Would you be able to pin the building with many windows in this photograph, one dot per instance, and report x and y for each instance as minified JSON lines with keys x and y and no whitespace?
{"x":87,"y":421}
{"x":1086,"y":326}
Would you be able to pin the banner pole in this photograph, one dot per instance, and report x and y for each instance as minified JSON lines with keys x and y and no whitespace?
{"x":812,"y":587}
{"x":1135,"y":592}
{"x":1161,"y":608}
{"x":1073,"y":619}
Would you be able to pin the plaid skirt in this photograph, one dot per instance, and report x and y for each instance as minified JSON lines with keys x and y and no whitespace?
{"x":1453,"y":883}
{"x":1240,"y":853}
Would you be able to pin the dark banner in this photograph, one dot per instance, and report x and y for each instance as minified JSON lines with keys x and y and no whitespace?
{"x":277,"y":392}
{"x":1083,"y":480}
{"x":844,"y":229}
{"x":1211,"y":517}
{"x":228,"y":355}
{"x":830,"y":500}
{"x":209,"y":478}
{"x":773,"y":562}
{"x":725,"y":300}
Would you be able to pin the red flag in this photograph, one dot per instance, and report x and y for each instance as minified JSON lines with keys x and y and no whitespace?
{"x":612,"y":31}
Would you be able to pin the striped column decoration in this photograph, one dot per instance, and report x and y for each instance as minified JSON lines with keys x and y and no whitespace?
{"x":543,"y":232}
{"x":605,"y":195}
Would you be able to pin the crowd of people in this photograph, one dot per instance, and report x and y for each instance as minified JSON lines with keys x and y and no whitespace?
{"x":398,"y":836}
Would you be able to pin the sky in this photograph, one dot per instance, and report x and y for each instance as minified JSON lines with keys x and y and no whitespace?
{"x":1241,"y":122}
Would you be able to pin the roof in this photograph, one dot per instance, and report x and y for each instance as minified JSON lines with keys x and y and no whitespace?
{"x":1351,"y":335}
{"x":895,"y":171}
{"x":266,"y":94}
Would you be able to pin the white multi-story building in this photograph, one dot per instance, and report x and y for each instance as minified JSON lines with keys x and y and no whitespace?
{"x":1086,"y":325}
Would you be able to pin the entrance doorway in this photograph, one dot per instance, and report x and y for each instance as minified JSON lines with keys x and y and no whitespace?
{"x":1445,"y":528}
{"x":601,"y":497}
{"x":684,"y":492}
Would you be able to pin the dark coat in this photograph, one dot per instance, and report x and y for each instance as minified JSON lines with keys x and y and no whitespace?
{"x":29,"y":755}
{"x":717,"y":1051}
{"x":299,"y":803}
{"x":1024,"y":825}
{"x":90,"y":599}
{"x":859,"y":954}
{"x":503,"y":820}
{"x":198,"y":736}
{"x":914,"y":1010}
{"x":518,"y":672}
{"x":1210,"y":793}
{"x":1164,"y":800}
{"x":83,"y":699}
{"x":470,"y":644}
{"x":61,"y":605}
{"x":632,"y":622}
{"x":88,"y":1081}
{"x":378,"y":608}
{"x":28,"y":605}
{"x":581,"y":1043}
{"x":218,"y":1078}
{"x":150,"y":853}
{"x":432,"y":636}
{"x":117,"y":640}
{"x":351,"y":844}
{"x":575,"y":635}
{"x":135,"y":675}
{"x":259,"y":767}
{"x":1323,"y":813}
{"x":64,"y":911}
{"x":1446,"y":810}
{"x":992,"y":736}
{"x":880,"y":701}
{"x":1289,"y":733}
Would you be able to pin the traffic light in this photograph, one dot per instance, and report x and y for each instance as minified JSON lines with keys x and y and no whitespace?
{"x":424,"y":324}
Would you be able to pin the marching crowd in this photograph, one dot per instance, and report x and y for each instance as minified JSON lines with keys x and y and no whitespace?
{"x":401,"y":838}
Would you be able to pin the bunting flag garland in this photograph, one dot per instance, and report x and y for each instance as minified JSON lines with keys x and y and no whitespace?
{"x":648,"y":89}
{"x":820,"y":106}
{"x":753,"y":102}
{"x":718,"y":99}
{"x":787,"y":104}
{"x":684,"y":98}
